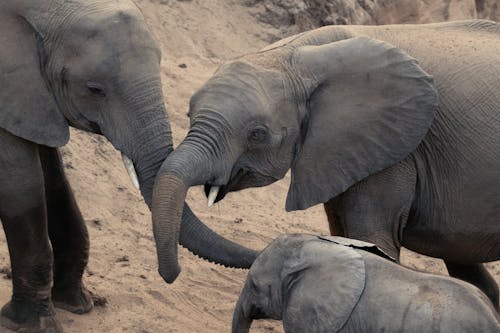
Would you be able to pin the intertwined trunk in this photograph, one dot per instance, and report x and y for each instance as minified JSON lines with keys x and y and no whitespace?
{"x":148,"y":147}
{"x":187,"y":166}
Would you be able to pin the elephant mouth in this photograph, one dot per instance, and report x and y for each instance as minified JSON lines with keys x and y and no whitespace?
{"x":241,"y":179}
{"x":232,"y":185}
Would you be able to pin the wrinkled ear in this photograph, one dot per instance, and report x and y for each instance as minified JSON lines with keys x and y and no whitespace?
{"x":321,"y":287}
{"x":27,"y":107}
{"x":357,"y":244}
{"x":370,"y":105}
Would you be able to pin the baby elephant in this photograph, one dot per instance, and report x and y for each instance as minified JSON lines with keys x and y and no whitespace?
{"x":335,"y":284}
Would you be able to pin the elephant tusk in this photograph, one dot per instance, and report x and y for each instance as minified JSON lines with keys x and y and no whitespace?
{"x":129,"y":166}
{"x":214,"y":190}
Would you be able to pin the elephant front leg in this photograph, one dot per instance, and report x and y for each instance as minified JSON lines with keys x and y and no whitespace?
{"x":68,"y":235}
{"x":375,"y":209}
{"x":30,"y":308}
{"x":24,"y":220}
{"x":336,"y":227}
{"x":479,"y":276}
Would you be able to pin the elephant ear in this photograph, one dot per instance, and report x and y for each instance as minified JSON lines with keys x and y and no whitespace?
{"x":321,"y":287}
{"x":370,"y":105}
{"x":27,"y":107}
{"x":357,"y":244}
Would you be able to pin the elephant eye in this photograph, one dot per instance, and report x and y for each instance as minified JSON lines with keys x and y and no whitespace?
{"x":96,"y":89}
{"x":258,"y":135}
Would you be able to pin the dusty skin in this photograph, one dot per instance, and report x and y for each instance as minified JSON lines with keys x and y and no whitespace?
{"x":195,"y":36}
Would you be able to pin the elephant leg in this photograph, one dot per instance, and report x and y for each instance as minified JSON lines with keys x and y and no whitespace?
{"x":336,"y":228}
{"x":68,"y":235}
{"x":375,"y":209}
{"x":479,"y":276}
{"x":24,"y":219}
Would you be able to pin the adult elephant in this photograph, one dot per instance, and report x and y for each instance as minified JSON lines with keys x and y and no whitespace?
{"x":95,"y":66}
{"x":398,"y":158}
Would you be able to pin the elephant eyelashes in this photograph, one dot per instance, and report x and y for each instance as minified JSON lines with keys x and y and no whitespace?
{"x":96,"y":89}
{"x":258,"y":135}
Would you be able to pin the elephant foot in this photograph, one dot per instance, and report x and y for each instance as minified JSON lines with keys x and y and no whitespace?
{"x":77,"y":300}
{"x":24,"y":319}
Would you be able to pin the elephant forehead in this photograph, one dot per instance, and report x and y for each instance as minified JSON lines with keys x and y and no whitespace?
{"x":281,"y":248}
{"x":120,"y":26}
{"x":239,"y":106}
{"x":104,"y":14}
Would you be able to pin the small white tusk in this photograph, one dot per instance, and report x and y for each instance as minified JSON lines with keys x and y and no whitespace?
{"x":129,"y":166}
{"x":214,"y":190}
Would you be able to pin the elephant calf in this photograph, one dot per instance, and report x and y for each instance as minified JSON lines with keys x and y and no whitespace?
{"x":335,"y":284}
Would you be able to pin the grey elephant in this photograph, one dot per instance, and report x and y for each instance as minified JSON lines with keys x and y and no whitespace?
{"x":93,"y":65}
{"x":400,"y":152}
{"x":334,"y":284}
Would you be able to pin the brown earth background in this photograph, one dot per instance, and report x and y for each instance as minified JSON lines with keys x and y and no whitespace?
{"x":196,"y":36}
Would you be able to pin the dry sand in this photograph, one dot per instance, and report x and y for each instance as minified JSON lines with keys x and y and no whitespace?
{"x":200,"y":34}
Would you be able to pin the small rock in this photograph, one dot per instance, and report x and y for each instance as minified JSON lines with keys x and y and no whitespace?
{"x":122,"y":259}
{"x":183,"y":65}
{"x":97,"y":222}
{"x":99,"y":300}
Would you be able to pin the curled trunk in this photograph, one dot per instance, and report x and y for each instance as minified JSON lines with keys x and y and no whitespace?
{"x":168,"y":203}
{"x":148,"y":147}
{"x":173,"y":220}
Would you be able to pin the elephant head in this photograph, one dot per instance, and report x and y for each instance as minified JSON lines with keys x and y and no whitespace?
{"x":332,"y":113}
{"x":304,"y":281}
{"x":95,"y":66}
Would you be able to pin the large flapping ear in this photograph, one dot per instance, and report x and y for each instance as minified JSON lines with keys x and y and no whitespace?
{"x":370,"y":106}
{"x":321,"y":287}
{"x":27,"y":107}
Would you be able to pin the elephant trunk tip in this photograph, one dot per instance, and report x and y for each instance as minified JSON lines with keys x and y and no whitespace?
{"x":167,"y":214}
{"x":169,"y":274}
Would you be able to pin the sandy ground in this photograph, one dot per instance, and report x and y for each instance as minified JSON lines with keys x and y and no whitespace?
{"x":122,"y":269}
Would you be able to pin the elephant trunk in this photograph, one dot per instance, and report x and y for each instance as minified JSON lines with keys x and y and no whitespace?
{"x":156,"y":147}
{"x":168,"y":202}
{"x":140,"y":130}
{"x":241,"y":317}
{"x":187,"y":166}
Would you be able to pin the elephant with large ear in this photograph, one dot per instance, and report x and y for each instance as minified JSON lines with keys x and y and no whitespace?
{"x":394,"y":128}
{"x":334,"y":284}
{"x":93,"y":65}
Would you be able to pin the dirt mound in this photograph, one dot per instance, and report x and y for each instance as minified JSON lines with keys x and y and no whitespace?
{"x":292,"y":16}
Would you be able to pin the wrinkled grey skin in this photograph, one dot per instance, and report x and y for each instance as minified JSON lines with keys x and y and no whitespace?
{"x":402,"y":153}
{"x":93,"y":65}
{"x":334,"y":284}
